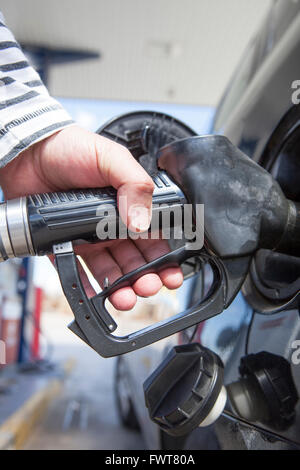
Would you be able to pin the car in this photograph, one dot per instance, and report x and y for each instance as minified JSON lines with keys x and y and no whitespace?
{"x":258,"y":336}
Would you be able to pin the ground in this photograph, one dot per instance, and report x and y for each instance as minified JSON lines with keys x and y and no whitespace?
{"x":84,"y":416}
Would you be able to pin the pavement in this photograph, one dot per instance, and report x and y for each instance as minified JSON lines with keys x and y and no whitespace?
{"x":24,"y":398}
{"x":83,"y":415}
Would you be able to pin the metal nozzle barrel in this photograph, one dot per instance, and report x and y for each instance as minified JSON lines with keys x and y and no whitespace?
{"x":15,"y":237}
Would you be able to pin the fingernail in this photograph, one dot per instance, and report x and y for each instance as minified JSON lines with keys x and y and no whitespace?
{"x":139,"y":218}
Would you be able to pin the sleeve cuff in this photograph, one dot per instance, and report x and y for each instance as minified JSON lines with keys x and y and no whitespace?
{"x":44,"y":117}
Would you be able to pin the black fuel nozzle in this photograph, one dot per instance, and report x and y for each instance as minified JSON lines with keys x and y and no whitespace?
{"x":245,"y":208}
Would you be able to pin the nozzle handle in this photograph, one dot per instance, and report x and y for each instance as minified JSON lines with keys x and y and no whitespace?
{"x":32,"y":225}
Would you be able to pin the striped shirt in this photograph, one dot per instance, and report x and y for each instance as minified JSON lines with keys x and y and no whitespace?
{"x":27,"y":113}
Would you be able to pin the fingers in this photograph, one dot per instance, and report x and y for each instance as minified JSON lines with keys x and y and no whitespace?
{"x":121,"y":258}
{"x":124,"y":256}
{"x":128,"y":257}
{"x":172,"y":278}
{"x":102,"y":265}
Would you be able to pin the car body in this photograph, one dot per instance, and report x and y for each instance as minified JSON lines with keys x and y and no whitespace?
{"x":260,"y":114}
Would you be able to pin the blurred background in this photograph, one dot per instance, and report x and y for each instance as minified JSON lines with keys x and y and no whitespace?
{"x":101,"y":59}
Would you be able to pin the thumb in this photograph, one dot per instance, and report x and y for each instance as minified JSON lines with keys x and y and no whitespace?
{"x":135,"y":187}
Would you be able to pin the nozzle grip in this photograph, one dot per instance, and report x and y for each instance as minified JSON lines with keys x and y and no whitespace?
{"x":94,"y":325}
{"x":66,"y":216}
{"x":74,"y":215}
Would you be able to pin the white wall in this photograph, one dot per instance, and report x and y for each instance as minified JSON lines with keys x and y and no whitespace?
{"x":180,"y":51}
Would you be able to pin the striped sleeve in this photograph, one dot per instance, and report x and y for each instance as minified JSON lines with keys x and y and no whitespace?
{"x":27,"y":113}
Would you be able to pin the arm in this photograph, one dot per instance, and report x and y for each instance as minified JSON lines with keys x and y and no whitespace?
{"x":42,"y":150}
{"x":27,"y":113}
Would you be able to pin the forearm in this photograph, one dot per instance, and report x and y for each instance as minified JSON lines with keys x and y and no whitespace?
{"x":27,"y":113}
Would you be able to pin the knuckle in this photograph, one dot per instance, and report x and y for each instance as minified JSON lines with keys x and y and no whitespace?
{"x":146,"y":186}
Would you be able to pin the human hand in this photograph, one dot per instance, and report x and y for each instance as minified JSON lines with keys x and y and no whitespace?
{"x":76,"y":158}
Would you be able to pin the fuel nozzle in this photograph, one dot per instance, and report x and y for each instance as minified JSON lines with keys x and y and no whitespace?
{"x":245,"y":208}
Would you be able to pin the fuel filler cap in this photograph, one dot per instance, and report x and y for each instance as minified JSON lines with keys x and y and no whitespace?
{"x":186,"y":390}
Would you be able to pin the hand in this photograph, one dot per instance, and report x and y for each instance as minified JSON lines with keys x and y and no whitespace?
{"x":74,"y":157}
